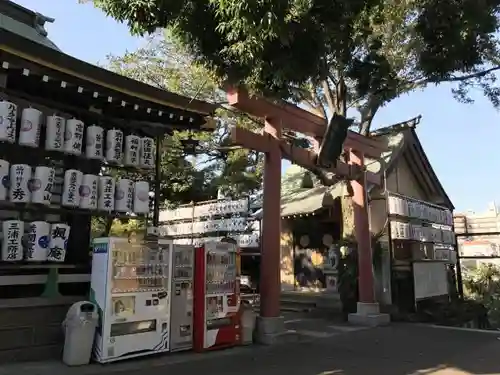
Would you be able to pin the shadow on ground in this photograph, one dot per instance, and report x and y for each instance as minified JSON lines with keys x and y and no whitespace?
{"x":395,"y":350}
{"x":399,"y":349}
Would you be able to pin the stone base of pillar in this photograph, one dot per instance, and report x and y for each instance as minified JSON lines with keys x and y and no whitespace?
{"x":269,"y":330}
{"x":368,"y":314}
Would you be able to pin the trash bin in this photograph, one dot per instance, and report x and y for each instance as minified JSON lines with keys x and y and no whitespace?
{"x":248,"y":318}
{"x":79,"y":331}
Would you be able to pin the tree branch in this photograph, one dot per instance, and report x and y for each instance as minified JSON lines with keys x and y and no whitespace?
{"x":328,"y":95}
{"x":466,"y":77}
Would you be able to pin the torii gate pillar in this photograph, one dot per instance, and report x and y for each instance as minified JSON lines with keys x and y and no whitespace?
{"x":270,"y":323}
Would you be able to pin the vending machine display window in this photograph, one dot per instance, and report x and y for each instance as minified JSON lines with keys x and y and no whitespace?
{"x":181,"y":321}
{"x":217,"y":297}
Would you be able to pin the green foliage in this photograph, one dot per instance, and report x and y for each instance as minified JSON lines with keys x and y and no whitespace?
{"x":331,"y":54}
{"x":482,"y":284}
{"x":118,"y":228}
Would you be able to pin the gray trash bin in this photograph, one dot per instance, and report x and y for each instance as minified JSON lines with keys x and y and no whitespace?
{"x":79,"y":331}
{"x":248,"y":318}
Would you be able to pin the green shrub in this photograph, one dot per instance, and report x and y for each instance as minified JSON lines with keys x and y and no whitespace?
{"x":482,"y":284}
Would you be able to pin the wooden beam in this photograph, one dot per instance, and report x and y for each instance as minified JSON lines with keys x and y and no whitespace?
{"x":367,"y":149}
{"x":297,"y":119}
{"x":300,"y":156}
{"x":248,"y":139}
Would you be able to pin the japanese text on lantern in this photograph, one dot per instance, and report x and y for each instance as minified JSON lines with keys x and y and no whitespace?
{"x":77,"y":144}
{"x":147,"y":152}
{"x":56,"y":252}
{"x":58,"y":137}
{"x":108,"y":194}
{"x":98,"y":145}
{"x":72,"y":187}
{"x":134,"y":150}
{"x":18,"y":192}
{"x":13,"y":234}
{"x":118,"y":145}
{"x":93,"y":194}
{"x":47,"y":194}
{"x":30,"y":245}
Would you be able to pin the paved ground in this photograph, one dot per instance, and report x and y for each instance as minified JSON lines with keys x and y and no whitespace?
{"x":399,"y":349}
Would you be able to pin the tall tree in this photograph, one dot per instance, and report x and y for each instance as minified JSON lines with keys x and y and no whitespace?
{"x":194,"y":166}
{"x":332,"y":54}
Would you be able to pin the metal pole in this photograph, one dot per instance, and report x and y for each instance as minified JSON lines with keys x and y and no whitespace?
{"x":460,"y":285}
{"x":156,"y":199}
{"x":391,"y":252}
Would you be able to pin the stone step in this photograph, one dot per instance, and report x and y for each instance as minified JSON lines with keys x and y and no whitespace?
{"x":26,"y":337}
{"x":32,"y":312}
{"x":31,"y":328}
{"x":32,"y":354}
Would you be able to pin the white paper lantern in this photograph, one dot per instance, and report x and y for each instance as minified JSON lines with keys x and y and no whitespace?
{"x":73,"y":137}
{"x":55,"y":133}
{"x":37,"y":243}
{"x":132,"y":150}
{"x":8,"y":122}
{"x":106,"y":194}
{"x":4,"y":179}
{"x":58,"y":242}
{"x":124,"y":197}
{"x":41,"y":185}
{"x":147,"y":152}
{"x":114,"y":146}
{"x":94,"y":145}
{"x":31,"y":126}
{"x":88,"y":192}
{"x":20,"y":176}
{"x":141,"y":197}
{"x":12,"y":247}
{"x":71,"y":189}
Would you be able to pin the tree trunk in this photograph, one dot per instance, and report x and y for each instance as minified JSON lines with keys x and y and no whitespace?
{"x":367,"y":113}
{"x":109,"y":224}
{"x":340,"y":98}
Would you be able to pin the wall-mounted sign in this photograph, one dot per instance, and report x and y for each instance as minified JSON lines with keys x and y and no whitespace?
{"x":224,"y":207}
{"x":243,"y":240}
{"x":238,"y":224}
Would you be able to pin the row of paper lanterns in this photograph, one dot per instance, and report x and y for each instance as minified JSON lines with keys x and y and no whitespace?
{"x":36,"y":241}
{"x":223,"y":207}
{"x":410,"y":231}
{"x":237,"y":224}
{"x":20,"y":184}
{"x":243,"y":240}
{"x":411,"y":208}
{"x":69,"y":136}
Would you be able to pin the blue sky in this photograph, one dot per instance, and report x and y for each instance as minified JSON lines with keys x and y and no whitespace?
{"x":460,"y":140}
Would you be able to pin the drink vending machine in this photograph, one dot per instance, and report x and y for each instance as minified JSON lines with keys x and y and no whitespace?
{"x":181,"y":314}
{"x":216,"y":298}
{"x":130,"y":284}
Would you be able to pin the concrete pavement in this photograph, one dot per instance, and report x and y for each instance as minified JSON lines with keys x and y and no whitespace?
{"x":399,"y":349}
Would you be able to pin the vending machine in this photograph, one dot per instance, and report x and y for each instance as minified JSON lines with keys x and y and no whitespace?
{"x":216,"y":298}
{"x":181,"y":313}
{"x":130,"y":284}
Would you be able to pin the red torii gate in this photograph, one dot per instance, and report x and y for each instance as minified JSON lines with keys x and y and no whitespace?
{"x":277,"y":117}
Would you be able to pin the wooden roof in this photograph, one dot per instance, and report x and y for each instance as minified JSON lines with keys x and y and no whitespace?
{"x":78,"y":73}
